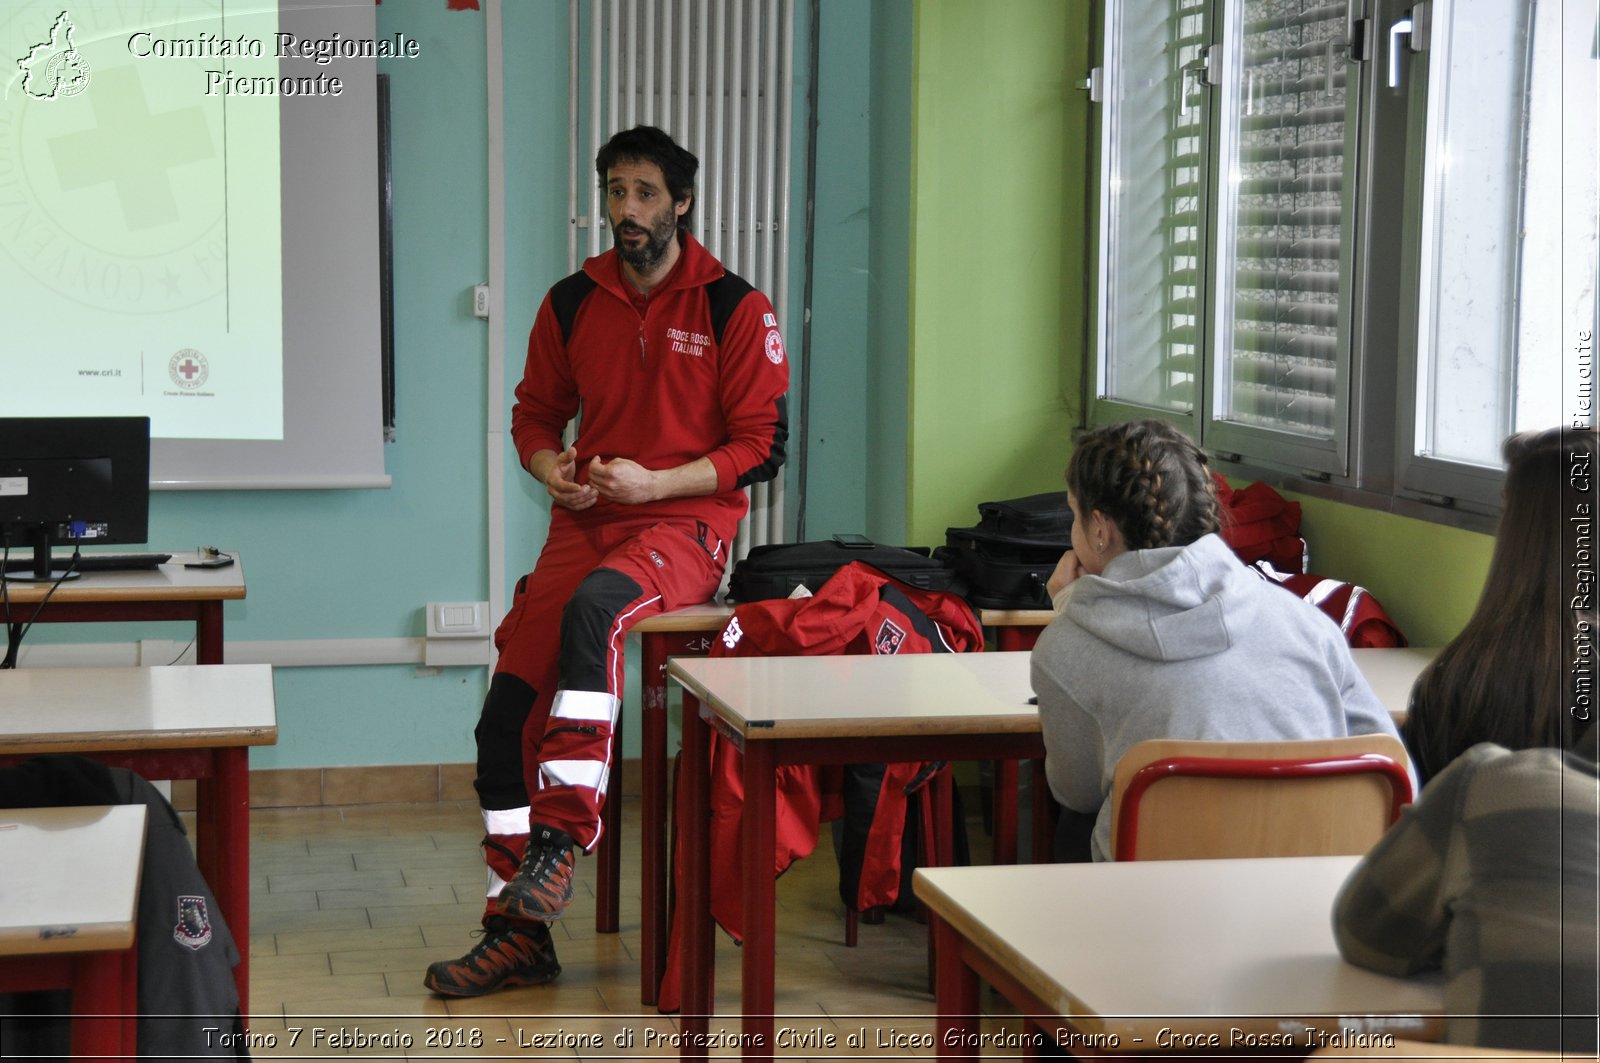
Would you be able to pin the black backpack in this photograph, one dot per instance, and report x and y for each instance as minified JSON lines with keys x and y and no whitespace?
{"x":1005,"y":559}
{"x":774,"y":571}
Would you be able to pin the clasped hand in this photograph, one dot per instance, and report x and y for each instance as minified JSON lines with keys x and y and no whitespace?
{"x":618,"y":480}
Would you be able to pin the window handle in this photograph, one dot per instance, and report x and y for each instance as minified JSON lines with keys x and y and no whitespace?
{"x":1414,"y":28}
{"x":1201,"y":65}
{"x":1094,"y":84}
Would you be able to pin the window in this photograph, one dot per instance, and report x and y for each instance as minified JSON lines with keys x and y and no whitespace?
{"x":1329,"y":232}
{"x":1506,"y":235}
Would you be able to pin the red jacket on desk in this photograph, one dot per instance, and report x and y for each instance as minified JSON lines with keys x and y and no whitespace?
{"x":709,"y":380}
{"x":859,"y":610}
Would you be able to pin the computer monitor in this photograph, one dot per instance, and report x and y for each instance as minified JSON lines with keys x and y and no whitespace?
{"x":70,"y":481}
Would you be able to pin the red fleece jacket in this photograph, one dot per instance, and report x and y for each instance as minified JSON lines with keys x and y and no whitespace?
{"x":655,"y":387}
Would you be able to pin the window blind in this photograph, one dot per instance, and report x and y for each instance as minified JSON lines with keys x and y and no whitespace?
{"x":1283,"y":208}
{"x":1183,"y":211}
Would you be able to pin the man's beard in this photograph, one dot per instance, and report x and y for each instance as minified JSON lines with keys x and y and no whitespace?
{"x":648,"y":255}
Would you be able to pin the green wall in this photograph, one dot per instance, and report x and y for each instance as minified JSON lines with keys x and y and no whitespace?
{"x":1426,"y":575}
{"x":996,"y":305}
{"x":1000,"y":293}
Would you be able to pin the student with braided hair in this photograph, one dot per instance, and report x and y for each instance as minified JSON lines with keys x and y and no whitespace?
{"x":1161,"y":632}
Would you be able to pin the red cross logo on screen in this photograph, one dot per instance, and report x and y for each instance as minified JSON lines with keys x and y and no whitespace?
{"x":188,"y":369}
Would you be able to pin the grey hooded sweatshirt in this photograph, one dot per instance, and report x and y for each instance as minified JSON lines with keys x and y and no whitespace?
{"x":1185,"y":642}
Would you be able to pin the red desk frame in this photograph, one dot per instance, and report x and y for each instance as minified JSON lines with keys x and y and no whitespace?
{"x":171,"y":592}
{"x":105,"y":995}
{"x":760,"y":762}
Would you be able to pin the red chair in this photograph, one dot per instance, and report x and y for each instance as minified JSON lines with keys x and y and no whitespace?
{"x":1188,"y":800}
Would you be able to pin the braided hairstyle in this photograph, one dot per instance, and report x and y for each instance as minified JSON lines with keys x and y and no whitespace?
{"x":1150,"y":479}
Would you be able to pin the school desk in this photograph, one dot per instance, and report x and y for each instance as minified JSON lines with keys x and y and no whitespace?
{"x":82,"y":939}
{"x":168,"y":592}
{"x":178,"y":722}
{"x":1164,"y":955}
{"x":818,"y":710}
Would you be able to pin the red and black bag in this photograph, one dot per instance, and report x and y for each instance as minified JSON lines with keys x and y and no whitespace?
{"x":1258,"y":524}
{"x":1362,"y":618}
{"x":859,"y":610}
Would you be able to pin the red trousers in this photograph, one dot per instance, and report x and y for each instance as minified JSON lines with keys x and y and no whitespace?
{"x":544,"y":737}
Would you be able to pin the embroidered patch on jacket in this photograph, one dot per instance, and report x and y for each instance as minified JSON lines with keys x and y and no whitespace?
{"x":774,"y":347}
{"x":194,"y":925}
{"x":888,"y":639}
{"x":769,"y":320}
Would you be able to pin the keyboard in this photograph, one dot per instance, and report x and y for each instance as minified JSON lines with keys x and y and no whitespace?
{"x":94,"y":562}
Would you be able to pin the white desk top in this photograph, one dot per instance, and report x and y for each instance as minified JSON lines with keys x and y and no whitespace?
{"x":1106,"y":944}
{"x":168,"y":582}
{"x":1392,"y":672}
{"x":43,"y":850}
{"x":805,"y":692}
{"x":70,"y":709}
{"x":787,"y":697}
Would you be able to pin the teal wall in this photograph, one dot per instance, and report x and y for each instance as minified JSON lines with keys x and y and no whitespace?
{"x":361,"y":564}
{"x":889,"y":307}
{"x":856,"y":452}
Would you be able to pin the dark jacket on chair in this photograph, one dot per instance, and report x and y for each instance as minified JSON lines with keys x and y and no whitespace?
{"x":188,"y":1003}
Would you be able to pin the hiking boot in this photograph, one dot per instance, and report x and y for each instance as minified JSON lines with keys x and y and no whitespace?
{"x":542,"y":886}
{"x":507,"y":955}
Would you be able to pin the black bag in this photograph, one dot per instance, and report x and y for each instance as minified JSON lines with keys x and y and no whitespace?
{"x":1005,"y":560}
{"x":861,"y":785}
{"x":1044,"y":518}
{"x":774,"y":571}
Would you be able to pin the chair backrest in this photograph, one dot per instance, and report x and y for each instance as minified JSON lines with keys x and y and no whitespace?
{"x":1186,"y":800}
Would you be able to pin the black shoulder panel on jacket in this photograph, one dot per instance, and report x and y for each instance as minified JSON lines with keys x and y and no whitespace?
{"x":775,"y":453}
{"x":724,"y":296}
{"x":565,"y":298}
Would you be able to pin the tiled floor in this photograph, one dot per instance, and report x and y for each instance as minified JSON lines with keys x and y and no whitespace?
{"x":350,"y":905}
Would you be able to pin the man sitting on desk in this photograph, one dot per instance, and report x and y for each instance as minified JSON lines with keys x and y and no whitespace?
{"x":680,"y":373}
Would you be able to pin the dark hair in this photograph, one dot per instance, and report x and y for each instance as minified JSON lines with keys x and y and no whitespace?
{"x":1506,"y":677}
{"x":1149,"y":478}
{"x":646,"y":143}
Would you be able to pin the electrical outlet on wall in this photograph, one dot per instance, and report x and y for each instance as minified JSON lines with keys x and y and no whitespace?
{"x":457,"y":633}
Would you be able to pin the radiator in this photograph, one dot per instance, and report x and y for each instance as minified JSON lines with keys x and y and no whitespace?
{"x":718,"y":76}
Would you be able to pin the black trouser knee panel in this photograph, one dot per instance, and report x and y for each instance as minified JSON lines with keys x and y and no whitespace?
{"x":499,"y":736}
{"x":586,"y":625}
